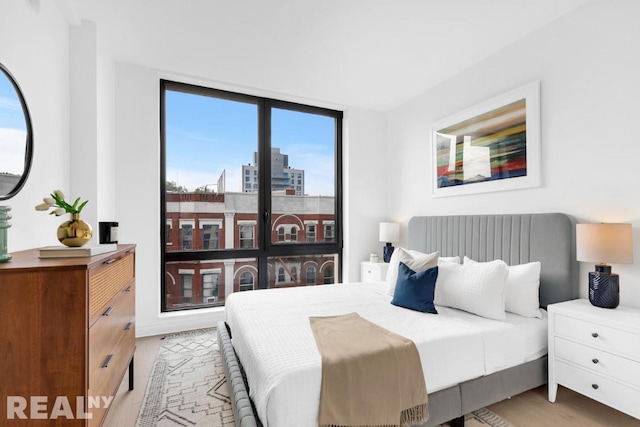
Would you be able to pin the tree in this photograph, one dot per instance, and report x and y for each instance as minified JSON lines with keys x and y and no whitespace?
{"x":171,"y":186}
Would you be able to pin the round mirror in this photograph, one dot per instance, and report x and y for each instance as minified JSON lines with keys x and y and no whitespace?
{"x":16,"y":137}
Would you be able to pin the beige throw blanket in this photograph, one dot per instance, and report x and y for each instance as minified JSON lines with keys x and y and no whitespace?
{"x":371,"y":377}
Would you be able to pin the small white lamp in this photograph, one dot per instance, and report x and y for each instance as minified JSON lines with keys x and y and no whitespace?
{"x":389,"y":233}
{"x":604,"y":243}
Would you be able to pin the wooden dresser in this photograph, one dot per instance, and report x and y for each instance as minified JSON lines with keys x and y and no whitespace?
{"x":67,"y":336}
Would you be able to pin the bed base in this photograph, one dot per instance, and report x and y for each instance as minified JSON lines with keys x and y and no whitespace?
{"x":448,"y":405}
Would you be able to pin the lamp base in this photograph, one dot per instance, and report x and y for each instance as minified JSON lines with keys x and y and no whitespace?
{"x":604,"y":289}
{"x":387,"y":251}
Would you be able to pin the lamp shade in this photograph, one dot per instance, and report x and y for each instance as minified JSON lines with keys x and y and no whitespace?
{"x":389,"y":232}
{"x":604,"y":243}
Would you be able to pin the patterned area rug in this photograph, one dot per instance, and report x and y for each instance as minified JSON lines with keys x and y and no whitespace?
{"x":187,"y":387}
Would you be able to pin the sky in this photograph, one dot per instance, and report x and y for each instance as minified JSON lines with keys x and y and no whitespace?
{"x":13,"y":134}
{"x":207,"y":135}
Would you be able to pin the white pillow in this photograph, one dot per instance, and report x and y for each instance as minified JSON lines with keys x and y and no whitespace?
{"x":455,"y":259}
{"x":478,"y":288}
{"x":417,"y":261}
{"x":523,"y":285}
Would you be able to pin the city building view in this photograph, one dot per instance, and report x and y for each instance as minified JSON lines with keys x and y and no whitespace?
{"x":214,"y":219}
{"x":283,"y":177}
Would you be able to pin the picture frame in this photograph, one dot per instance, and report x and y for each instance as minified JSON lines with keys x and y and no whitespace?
{"x":496,"y":145}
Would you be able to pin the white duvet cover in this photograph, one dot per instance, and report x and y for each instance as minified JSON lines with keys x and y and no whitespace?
{"x":272,"y":337}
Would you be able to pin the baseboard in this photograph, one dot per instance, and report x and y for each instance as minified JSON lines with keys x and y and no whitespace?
{"x":178,"y":321}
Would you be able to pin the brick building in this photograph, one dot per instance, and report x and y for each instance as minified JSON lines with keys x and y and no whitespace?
{"x":219,"y":221}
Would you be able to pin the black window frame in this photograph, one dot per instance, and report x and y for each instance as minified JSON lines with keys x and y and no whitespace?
{"x":265,"y":248}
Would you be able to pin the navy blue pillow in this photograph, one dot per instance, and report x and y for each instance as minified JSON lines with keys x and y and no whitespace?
{"x":415,"y":290}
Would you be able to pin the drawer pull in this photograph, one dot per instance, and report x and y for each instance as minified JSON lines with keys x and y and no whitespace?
{"x":109,"y":261}
{"x":108,"y":360}
{"x":595,"y":386}
{"x":595,"y":360}
{"x":108,"y":311}
{"x":128,"y":289}
{"x":126,"y":328}
{"x":595,"y":335}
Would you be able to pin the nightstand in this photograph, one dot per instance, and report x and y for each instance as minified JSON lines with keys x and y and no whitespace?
{"x":373,"y":271}
{"x":596,"y":352}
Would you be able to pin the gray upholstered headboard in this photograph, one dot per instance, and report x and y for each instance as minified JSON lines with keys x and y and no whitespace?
{"x":516,"y":239}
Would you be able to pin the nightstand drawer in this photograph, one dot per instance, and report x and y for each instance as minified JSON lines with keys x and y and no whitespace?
{"x":373,"y":271}
{"x":370,"y":274}
{"x":602,"y":389}
{"x":599,"y":361}
{"x":598,"y":336}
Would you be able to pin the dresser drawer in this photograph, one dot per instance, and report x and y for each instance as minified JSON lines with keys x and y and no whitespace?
{"x":598,"y":336}
{"x":106,"y":380}
{"x":598,"y":361}
{"x":107,"y":280}
{"x":116,"y":322}
{"x":602,"y":389}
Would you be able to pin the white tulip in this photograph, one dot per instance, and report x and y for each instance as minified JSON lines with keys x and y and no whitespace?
{"x":42,"y":207}
{"x":59,"y":193}
{"x":59,"y":212}
{"x":49,"y":200}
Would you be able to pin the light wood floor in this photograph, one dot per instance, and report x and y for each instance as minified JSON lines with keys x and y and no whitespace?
{"x":530,"y":409}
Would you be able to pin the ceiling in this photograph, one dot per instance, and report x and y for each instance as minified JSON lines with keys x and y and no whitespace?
{"x":373,"y":54}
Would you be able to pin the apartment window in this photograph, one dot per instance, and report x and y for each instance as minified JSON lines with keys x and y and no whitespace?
{"x":280,"y":234}
{"x":210,"y":283}
{"x":311,"y":233}
{"x":186,"y":236}
{"x":328,"y":275}
{"x":281,"y":276}
{"x":167,"y":232}
{"x":186,"y":288}
{"x":246,"y":281}
{"x":311,"y":276}
{"x":246,"y":236}
{"x":210,"y":236}
{"x":329,"y":233}
{"x":231,"y":165}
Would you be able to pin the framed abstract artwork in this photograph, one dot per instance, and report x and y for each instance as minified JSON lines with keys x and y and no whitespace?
{"x":492,"y":146}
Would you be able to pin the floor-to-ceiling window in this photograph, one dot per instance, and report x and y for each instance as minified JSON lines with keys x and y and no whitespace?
{"x":251,"y":194}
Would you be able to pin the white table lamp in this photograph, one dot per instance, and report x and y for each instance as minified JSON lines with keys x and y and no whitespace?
{"x":389,"y":233}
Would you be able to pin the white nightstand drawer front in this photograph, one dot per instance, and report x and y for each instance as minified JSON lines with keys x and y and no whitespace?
{"x":602,"y":389}
{"x":370,"y":274}
{"x":599,"y":336}
{"x":599,"y":361}
{"x":373,"y":271}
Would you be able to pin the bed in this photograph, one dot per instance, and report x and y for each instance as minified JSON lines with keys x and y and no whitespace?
{"x":271,"y":338}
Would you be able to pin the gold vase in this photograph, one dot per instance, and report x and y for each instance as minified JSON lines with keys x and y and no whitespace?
{"x":75,"y":232}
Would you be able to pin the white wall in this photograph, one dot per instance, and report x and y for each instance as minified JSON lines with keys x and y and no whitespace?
{"x":364,"y":187}
{"x":83,"y":156}
{"x":590,"y":93}
{"x":35,"y":49}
